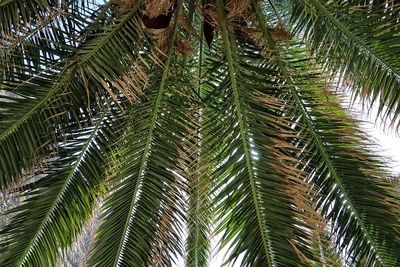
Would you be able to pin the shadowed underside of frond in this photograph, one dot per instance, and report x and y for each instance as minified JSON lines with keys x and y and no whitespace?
{"x":193,"y":120}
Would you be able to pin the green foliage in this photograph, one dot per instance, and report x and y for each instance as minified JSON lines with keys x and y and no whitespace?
{"x":187,"y":121}
{"x":359,"y":40}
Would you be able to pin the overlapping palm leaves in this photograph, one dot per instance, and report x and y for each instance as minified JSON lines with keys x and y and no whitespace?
{"x":181,"y":139}
{"x":359,"y":39}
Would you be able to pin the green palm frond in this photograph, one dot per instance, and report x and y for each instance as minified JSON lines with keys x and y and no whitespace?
{"x":195,"y":165}
{"x":143,"y":195}
{"x":23,"y":127}
{"x":29,"y":114}
{"x":31,"y":73}
{"x":19,"y":15}
{"x":359,"y":39}
{"x":199,"y":203}
{"x":251,"y":184}
{"x":110,"y":50}
{"x":65,"y":191}
{"x":342,"y":159}
{"x":335,"y":143}
{"x":146,"y":177}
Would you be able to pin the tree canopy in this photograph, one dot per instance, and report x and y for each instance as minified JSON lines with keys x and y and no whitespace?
{"x":185,"y":120}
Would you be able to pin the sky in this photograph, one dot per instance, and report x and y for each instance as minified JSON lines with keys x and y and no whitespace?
{"x":386,"y":138}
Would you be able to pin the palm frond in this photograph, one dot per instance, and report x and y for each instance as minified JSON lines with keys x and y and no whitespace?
{"x":195,"y":166}
{"x":18,"y":15}
{"x":359,"y":40}
{"x":199,"y":204}
{"x":143,"y":187}
{"x":108,"y":51}
{"x":166,"y":242}
{"x":65,"y":191}
{"x":344,"y":169}
{"x":254,"y":199}
{"x":39,"y":97}
{"x":196,"y":169}
{"x":23,"y":127}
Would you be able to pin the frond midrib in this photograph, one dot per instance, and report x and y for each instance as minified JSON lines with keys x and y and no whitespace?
{"x":197,"y":231}
{"x":243,"y":131}
{"x":149,"y":137}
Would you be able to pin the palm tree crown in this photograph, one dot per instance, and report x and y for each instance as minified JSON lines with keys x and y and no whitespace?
{"x":185,"y":120}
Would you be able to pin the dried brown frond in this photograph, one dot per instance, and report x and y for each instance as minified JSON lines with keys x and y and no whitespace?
{"x":247,"y":34}
{"x":155,"y":8}
{"x":302,"y":196}
{"x":125,"y":3}
{"x":301,"y":192}
{"x":162,"y":39}
{"x":210,"y":13}
{"x":280,"y":34}
{"x":132,"y":82}
{"x":289,"y":167}
{"x":237,"y":8}
{"x":267,"y":100}
{"x":325,"y":251}
{"x":188,"y":27}
{"x":304,"y":259}
{"x":183,"y":47}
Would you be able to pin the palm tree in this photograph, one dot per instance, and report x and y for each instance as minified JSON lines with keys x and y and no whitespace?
{"x":185,"y":120}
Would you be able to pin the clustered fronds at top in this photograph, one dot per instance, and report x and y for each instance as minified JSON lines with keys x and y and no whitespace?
{"x":190,"y":120}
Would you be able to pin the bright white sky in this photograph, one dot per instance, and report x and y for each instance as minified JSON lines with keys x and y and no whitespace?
{"x":385,"y":137}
